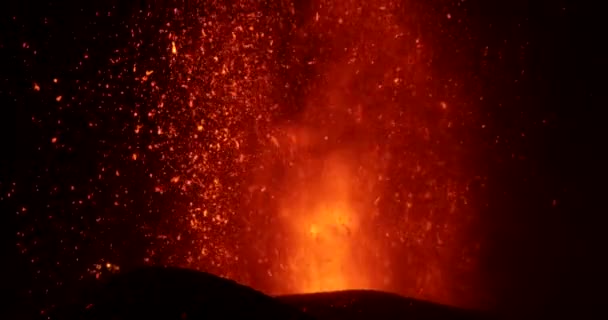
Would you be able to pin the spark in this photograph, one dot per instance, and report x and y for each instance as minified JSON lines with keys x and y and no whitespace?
{"x":267,"y":147}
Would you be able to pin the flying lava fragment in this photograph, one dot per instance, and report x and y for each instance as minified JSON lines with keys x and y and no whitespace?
{"x":291,"y":146}
{"x":314,"y":156}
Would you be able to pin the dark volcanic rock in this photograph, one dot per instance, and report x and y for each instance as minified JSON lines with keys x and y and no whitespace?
{"x":365,"y":304}
{"x":170,"y":293}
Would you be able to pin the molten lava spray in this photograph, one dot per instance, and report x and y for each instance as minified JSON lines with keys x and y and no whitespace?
{"x":311,"y":147}
{"x":367,"y":178}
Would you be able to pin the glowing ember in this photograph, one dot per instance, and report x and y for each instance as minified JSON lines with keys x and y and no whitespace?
{"x":367,"y":175}
{"x":292,"y":147}
{"x":313,"y":156}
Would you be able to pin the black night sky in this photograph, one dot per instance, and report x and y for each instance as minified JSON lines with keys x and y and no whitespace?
{"x":101,"y":167}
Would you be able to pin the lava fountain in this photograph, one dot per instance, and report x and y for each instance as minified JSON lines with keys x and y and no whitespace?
{"x":315,"y":147}
{"x":367,"y":173}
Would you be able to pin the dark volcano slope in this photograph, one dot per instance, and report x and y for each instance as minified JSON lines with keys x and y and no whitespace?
{"x":171,"y":293}
{"x":366,"y":304}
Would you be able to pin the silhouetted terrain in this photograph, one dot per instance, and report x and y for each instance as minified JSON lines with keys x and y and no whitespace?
{"x":171,"y":293}
{"x":365,"y":304}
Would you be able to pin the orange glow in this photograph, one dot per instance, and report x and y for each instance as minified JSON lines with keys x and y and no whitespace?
{"x":365,"y":186}
{"x":314,"y":156}
{"x":325,"y":232}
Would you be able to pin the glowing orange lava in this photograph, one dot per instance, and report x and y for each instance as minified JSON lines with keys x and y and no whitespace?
{"x":326,"y":230}
{"x":317,"y":148}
